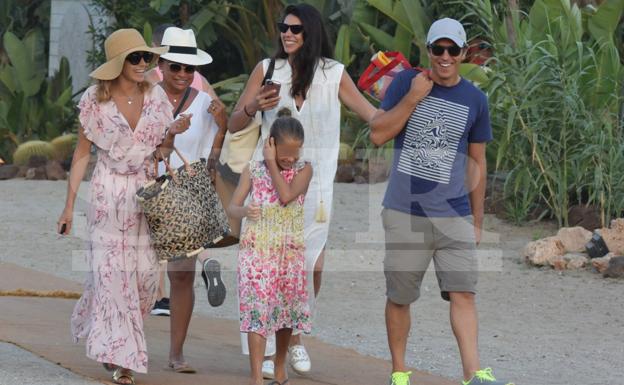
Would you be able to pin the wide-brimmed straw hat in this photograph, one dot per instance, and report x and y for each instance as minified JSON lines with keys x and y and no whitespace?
{"x":183,"y":47}
{"x":117,"y":46}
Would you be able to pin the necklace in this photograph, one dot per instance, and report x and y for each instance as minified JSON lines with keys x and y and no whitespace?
{"x":174,"y":99}
{"x":129,"y":99}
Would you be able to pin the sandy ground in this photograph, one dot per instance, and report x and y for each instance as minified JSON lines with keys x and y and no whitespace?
{"x":537,"y":326}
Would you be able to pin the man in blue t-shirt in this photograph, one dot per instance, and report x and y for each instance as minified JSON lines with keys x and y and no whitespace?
{"x":433,"y":207}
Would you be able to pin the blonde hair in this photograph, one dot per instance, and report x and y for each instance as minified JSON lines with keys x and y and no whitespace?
{"x":103,"y":93}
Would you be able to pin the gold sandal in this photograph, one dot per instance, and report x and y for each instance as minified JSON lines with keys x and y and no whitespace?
{"x":121,"y":373}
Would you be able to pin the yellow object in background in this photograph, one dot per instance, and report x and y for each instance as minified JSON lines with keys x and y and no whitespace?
{"x":380,"y":59}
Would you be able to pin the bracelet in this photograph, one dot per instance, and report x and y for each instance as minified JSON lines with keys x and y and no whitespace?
{"x":247,"y":113}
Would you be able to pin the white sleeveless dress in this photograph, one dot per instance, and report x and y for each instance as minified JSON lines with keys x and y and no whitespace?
{"x":320,"y":118}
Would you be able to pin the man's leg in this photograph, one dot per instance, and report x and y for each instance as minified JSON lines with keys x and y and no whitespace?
{"x":408,"y":254}
{"x":457,"y":272}
{"x":465,"y":325}
{"x":398,"y":323}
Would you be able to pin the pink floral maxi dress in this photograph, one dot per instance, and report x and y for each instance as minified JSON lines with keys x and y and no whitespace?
{"x":122,"y":280}
{"x":271,"y":262}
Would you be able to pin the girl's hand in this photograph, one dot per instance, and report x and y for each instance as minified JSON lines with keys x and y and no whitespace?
{"x":65,"y":219}
{"x":253,"y":211}
{"x":269,"y":151}
{"x":181,"y":124}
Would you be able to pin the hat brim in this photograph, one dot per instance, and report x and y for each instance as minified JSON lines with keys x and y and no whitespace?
{"x":461,"y":43}
{"x":112,"y":68}
{"x":199,"y":59}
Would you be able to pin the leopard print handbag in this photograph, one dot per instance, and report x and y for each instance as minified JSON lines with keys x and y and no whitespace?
{"x":183,"y":211}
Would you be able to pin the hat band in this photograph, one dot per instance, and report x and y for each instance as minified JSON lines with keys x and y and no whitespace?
{"x":182,"y":49}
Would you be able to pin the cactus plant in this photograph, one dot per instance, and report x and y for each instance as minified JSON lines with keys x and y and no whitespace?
{"x":64,"y":146}
{"x":26,"y":150}
{"x":346,"y":154}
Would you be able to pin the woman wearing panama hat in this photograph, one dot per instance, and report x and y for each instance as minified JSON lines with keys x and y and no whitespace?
{"x":127,"y":120}
{"x":203,"y":139}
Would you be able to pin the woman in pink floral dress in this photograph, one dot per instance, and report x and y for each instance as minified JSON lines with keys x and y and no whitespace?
{"x":127,"y":120}
{"x":271,"y":261}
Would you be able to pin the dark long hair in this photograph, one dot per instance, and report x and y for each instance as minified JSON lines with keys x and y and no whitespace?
{"x":316,"y":45}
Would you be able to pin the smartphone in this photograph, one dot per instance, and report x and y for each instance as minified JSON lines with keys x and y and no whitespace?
{"x":63,"y":228}
{"x":273,"y":85}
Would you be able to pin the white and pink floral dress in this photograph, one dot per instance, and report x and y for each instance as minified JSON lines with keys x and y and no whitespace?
{"x":271,"y":263}
{"x":122,"y":280}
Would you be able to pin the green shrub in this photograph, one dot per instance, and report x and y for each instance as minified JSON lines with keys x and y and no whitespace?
{"x":554,"y":94}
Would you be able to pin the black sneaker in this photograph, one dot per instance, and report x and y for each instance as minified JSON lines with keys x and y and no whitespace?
{"x":161,"y":307}
{"x":211,"y":273}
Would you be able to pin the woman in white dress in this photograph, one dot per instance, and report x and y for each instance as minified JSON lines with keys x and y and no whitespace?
{"x":313,"y":86}
{"x":203,"y":139}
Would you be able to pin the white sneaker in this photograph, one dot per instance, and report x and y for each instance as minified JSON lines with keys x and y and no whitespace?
{"x":299,"y":359}
{"x":268,"y":370}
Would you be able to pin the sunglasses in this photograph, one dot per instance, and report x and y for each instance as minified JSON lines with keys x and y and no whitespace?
{"x":294,"y":28}
{"x":135,"y":57}
{"x":438,"y":50}
{"x":175,"y":68}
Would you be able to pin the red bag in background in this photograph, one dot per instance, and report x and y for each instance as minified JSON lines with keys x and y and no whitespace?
{"x":380,"y":73}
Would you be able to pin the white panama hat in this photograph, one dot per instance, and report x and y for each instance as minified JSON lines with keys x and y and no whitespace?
{"x":183,"y":47}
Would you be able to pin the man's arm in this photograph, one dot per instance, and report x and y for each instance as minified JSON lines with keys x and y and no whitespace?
{"x":385,"y":125}
{"x":476,"y":178}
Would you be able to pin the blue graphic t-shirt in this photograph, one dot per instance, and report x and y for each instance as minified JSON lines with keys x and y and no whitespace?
{"x":429,"y":165}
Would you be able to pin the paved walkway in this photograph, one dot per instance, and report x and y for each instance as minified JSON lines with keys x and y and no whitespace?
{"x":41,"y":325}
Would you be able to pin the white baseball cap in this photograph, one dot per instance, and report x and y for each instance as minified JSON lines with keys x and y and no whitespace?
{"x":447,"y":29}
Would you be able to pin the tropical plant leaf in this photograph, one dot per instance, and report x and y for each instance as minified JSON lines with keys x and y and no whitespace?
{"x":402,"y":41}
{"x":35,"y":46}
{"x":603,"y":23}
{"x":147,"y":32}
{"x":383,"y":40}
{"x":163,"y":6}
{"x":473,"y":72}
{"x":394,"y":10}
{"x":7,"y":77}
{"x":342,"y":51}
{"x":26,"y":79}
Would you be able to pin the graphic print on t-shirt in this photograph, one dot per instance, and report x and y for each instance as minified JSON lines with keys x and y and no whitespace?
{"x":431,"y":139}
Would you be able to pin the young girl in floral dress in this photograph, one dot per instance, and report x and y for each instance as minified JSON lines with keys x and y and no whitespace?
{"x":271,"y":263}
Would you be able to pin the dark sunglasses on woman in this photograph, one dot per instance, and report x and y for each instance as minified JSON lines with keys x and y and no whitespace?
{"x":438,"y":50}
{"x":294,"y":28}
{"x":176,"y":67}
{"x":135,"y":57}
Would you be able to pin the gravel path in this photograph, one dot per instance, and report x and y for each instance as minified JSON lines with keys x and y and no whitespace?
{"x":537,"y":326}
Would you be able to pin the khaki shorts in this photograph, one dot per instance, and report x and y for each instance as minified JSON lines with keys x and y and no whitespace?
{"x":411,"y":243}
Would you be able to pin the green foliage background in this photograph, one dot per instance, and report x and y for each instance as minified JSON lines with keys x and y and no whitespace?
{"x":554,"y":82}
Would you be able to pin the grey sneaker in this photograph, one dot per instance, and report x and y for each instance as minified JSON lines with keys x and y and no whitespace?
{"x":400,"y":378}
{"x":485,"y":376}
{"x":211,"y":274}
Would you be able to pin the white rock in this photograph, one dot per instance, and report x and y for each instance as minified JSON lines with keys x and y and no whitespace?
{"x":574,"y":238}
{"x":540,"y":252}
